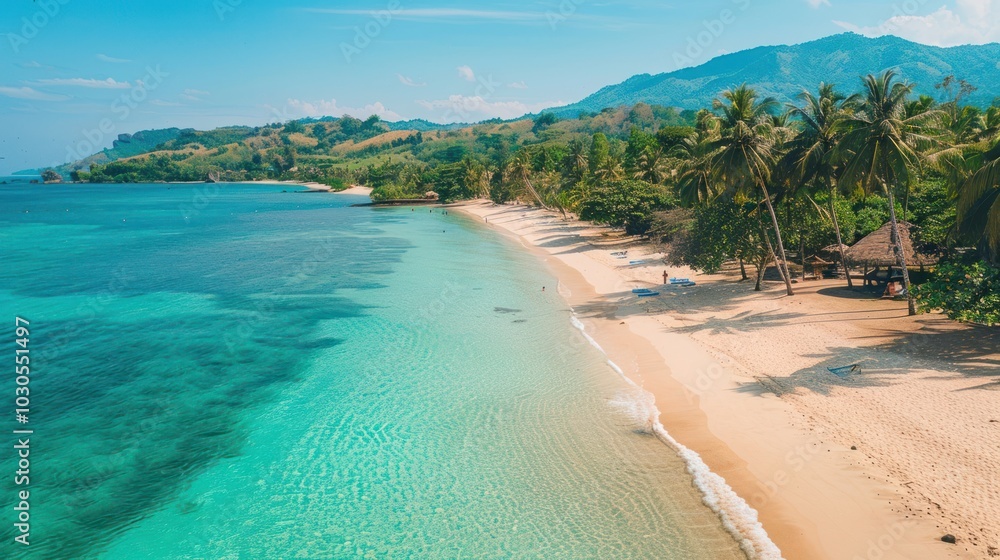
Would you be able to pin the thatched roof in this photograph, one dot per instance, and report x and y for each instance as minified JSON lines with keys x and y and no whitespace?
{"x":834,"y":249}
{"x":878,"y":248}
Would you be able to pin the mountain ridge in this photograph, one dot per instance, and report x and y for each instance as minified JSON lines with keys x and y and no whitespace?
{"x":783,"y":71}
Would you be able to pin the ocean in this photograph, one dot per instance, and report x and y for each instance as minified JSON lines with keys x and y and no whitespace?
{"x":237,"y":371}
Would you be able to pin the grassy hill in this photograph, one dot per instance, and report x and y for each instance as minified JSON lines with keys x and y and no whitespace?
{"x":340,"y":151}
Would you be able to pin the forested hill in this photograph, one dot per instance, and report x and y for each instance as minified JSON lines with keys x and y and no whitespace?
{"x":784,"y":71}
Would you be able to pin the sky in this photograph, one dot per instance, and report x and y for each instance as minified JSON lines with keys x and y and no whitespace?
{"x":74,"y":74}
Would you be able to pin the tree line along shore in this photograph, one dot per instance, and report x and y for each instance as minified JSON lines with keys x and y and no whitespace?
{"x":746,"y":179}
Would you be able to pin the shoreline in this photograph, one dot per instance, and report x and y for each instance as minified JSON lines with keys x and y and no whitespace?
{"x":778,"y":446}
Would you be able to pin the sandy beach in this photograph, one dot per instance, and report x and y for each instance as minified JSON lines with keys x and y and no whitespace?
{"x":354,"y":189}
{"x":878,"y":463}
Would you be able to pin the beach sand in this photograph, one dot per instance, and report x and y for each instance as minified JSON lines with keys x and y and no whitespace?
{"x":741,"y":378}
{"x":354,"y":189}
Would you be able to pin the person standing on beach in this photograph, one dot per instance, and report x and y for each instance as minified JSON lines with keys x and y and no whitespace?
{"x":665,"y":276}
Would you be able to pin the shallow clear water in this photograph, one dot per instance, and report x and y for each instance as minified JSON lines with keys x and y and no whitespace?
{"x":240,"y":372}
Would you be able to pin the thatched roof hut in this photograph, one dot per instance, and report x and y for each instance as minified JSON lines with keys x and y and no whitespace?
{"x":878,"y":248}
{"x":834,"y":249}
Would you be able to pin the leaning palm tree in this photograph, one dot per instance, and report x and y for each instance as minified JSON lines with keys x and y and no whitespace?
{"x":882,"y":143}
{"x":813,"y":151}
{"x":744,"y":156}
{"x":520,"y":169}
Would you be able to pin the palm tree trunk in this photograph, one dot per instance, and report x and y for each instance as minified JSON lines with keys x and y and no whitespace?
{"x":802,"y":253}
{"x":761,"y":265}
{"x":770,"y":248}
{"x":534,"y":193}
{"x":781,"y":244}
{"x":900,"y":256}
{"x":840,"y":243}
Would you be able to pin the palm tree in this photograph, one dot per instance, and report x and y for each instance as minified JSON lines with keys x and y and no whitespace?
{"x":882,"y":143}
{"x":745,"y":158}
{"x":576,"y":165}
{"x":610,"y":170}
{"x":979,"y":202}
{"x":476,"y":177}
{"x":520,"y":170}
{"x":651,"y":166}
{"x":695,"y":183}
{"x":813,"y":151}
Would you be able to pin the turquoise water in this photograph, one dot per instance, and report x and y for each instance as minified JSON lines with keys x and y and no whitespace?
{"x":241,"y":372}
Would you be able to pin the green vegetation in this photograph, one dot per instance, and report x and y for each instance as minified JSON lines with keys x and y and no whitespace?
{"x":50,"y":176}
{"x":749,"y":180}
{"x":965,"y":289}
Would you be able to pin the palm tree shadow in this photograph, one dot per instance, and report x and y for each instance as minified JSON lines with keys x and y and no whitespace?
{"x":939,"y":345}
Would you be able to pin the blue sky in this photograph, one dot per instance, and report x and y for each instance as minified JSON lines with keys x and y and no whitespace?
{"x":76,"y":73}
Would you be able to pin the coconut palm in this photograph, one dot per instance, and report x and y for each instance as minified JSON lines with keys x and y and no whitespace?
{"x":979,"y":202}
{"x":695,"y":182}
{"x":882,"y":146}
{"x":519,"y":170}
{"x":576,"y":164}
{"x":651,"y":166}
{"x":610,"y":170}
{"x":476,"y":177}
{"x":744,"y":157}
{"x":813,"y":151}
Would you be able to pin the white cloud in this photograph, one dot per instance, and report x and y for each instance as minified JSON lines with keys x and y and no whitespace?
{"x":466,"y":73}
{"x":968,"y":22}
{"x":162,"y":103}
{"x":458,"y":108}
{"x":817,"y":3}
{"x":297,"y":108}
{"x":106,"y":58}
{"x":518,"y":85}
{"x":442,"y":13}
{"x":109,"y":83}
{"x":30,"y":93}
{"x":194,"y":94}
{"x":409,"y":81}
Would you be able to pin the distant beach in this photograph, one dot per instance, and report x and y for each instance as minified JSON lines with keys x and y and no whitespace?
{"x":878,"y":463}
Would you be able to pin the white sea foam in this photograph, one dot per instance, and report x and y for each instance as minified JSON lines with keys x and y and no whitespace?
{"x":738,"y":518}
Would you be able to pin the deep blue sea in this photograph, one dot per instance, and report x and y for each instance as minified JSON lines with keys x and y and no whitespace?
{"x":242,"y":372}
